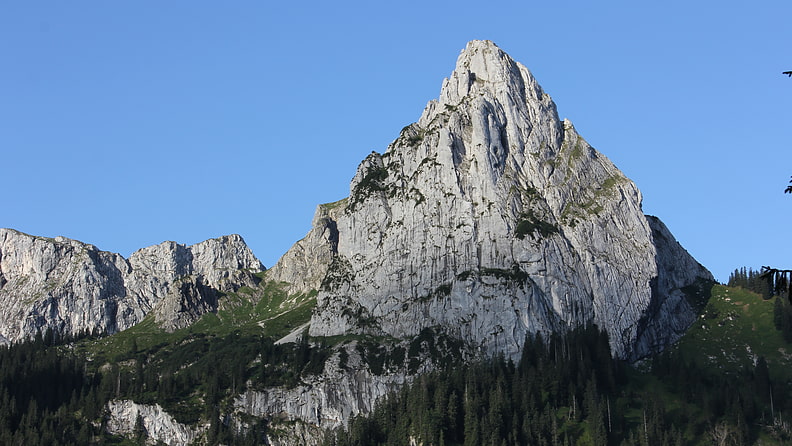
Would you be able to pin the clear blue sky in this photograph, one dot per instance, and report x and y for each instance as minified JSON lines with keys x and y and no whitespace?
{"x":124,"y":124}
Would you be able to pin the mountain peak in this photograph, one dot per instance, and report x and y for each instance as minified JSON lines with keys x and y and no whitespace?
{"x":483,"y":68}
{"x":483,"y":58}
{"x":491,"y":218}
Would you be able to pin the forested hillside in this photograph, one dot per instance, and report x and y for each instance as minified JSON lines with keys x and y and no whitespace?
{"x":726,"y":382}
{"x":714,"y":387}
{"x":51,"y":394}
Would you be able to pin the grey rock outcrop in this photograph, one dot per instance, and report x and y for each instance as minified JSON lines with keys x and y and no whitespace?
{"x":492,"y":218}
{"x":70,"y":286}
{"x":304,"y":266}
{"x":154,"y":424}
{"x":327,"y":400}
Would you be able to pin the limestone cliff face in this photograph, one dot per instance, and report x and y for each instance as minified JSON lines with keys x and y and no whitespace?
{"x":325,"y":401}
{"x":492,"y":218}
{"x":124,"y":417}
{"x":70,"y":286}
{"x":305,"y":265}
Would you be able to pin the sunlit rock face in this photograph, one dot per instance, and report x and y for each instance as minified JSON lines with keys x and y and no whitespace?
{"x":124,"y":417}
{"x":72,"y":287}
{"x":492,"y":218}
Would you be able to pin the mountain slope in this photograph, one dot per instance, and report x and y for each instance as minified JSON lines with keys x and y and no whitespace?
{"x":492,"y":218}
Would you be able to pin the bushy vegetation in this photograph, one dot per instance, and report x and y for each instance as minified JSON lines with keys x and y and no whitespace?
{"x":529,"y":224}
{"x":370,"y":183}
{"x":514,"y":274}
{"x":782,"y":318}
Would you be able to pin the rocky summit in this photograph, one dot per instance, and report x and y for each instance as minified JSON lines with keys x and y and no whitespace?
{"x":491,"y":218}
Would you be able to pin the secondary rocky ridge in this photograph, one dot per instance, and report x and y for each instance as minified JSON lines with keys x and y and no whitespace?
{"x":72,"y":287}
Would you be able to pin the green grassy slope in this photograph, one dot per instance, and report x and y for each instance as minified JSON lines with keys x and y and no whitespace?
{"x":734,"y":330}
{"x":711,"y":377}
{"x":266,"y":310}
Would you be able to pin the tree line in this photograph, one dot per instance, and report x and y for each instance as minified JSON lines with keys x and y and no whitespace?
{"x":750,"y":280}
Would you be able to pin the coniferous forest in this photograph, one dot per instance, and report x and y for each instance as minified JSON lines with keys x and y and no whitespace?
{"x":568,"y":391}
{"x":562,"y":390}
{"x":52,"y":395}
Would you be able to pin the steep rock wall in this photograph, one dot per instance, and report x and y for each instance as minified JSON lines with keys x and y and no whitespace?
{"x":492,"y":218}
{"x":125,"y":417}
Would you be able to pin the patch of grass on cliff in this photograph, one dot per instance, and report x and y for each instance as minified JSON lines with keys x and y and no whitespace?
{"x":336,"y":204}
{"x":283,"y":323}
{"x":594,"y":204}
{"x":146,"y":335}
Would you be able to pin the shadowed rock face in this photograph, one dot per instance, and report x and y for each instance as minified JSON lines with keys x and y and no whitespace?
{"x":492,"y":218}
{"x":69,"y":286}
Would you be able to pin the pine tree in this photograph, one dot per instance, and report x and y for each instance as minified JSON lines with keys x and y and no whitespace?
{"x":139,"y":430}
{"x":762,"y":380}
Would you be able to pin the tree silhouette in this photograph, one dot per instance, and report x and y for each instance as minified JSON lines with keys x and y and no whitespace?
{"x":777,"y":282}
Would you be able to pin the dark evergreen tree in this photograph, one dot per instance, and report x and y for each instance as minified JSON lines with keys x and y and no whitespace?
{"x":782,"y":318}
